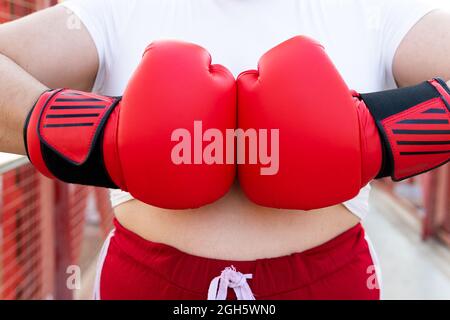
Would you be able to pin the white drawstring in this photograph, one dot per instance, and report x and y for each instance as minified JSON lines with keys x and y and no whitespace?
{"x":230,"y":278}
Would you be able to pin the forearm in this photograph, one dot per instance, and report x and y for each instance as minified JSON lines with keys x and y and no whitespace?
{"x":19,"y":92}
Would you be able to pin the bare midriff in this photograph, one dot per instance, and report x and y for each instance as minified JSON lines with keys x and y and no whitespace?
{"x":234,"y":228}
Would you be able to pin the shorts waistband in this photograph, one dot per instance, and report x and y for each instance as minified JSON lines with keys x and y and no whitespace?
{"x":281,"y":274}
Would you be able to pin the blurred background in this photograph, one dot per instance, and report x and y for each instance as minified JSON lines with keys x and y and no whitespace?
{"x":50,"y":231}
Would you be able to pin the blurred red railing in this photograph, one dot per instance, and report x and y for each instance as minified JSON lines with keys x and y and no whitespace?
{"x":20,"y":253}
{"x":42,"y":232}
{"x":13,"y":9}
{"x":437,"y":204}
{"x":428,"y":198}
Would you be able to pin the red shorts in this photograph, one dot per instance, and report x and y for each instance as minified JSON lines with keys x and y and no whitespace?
{"x":131,"y":267}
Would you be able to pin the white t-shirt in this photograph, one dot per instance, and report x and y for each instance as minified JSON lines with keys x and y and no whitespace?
{"x":360,"y":36}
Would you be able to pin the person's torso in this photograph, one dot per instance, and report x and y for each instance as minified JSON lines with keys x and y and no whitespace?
{"x":237,"y":33}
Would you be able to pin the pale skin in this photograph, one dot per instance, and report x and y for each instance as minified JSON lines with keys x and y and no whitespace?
{"x":232,"y":228}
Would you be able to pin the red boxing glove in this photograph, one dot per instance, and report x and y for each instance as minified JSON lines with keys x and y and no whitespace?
{"x":414,"y":126}
{"x":332,"y":142}
{"x":129,"y":142}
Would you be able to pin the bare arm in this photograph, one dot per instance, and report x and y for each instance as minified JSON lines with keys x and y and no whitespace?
{"x":425,"y":51}
{"x":37,"y":52}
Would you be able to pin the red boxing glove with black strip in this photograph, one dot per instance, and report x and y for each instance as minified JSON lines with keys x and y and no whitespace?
{"x":333,"y":141}
{"x":414,"y":126}
{"x":127,"y":142}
